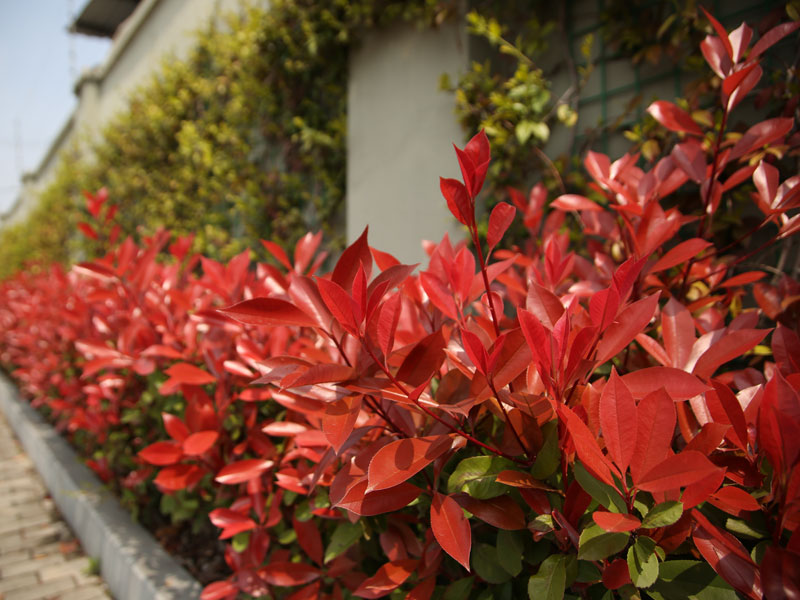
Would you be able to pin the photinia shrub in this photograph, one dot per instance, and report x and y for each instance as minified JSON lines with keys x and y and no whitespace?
{"x":616,"y":417}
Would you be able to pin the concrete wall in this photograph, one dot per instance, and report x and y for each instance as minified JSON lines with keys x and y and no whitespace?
{"x":400,"y":130}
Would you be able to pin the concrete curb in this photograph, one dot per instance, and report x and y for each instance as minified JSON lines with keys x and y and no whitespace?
{"x":132,"y":563}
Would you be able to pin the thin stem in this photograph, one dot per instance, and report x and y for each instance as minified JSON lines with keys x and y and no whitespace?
{"x":482,"y":264}
{"x":505,"y":415}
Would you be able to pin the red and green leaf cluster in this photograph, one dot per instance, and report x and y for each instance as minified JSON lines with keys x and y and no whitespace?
{"x":556,"y":420}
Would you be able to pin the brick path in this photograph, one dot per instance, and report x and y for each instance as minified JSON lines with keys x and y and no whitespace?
{"x":39,"y":557}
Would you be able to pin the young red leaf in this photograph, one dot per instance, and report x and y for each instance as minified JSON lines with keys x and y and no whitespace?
{"x":677,"y":471}
{"x":278,"y":252}
{"x":725,"y":408}
{"x":733,"y":345}
{"x":457,"y":199}
{"x":268,"y":311}
{"x":423,"y":360}
{"x":677,"y":327}
{"x":401,"y":459}
{"x":618,"y":420}
{"x":616,"y":574}
{"x":680,"y":254}
{"x":178,"y":477}
{"x":451,"y":528}
{"x":309,"y":538}
{"x":284,"y":573}
{"x":499,"y":221}
{"x":199,"y":443}
{"x":341,"y":305}
{"x":628,"y":323}
{"x":339,"y":419}
{"x":616,"y":522}
{"x":161,"y":453}
{"x":440,"y":296}
{"x":780,"y":573}
{"x":354,"y":256}
{"x":176,"y":428}
{"x":721,"y":32}
{"x":184,"y":373}
{"x":422,"y":591}
{"x":674,"y":118}
{"x":243,"y":470}
{"x":389,"y":577}
{"x":772,"y":37}
{"x":761,"y":134}
{"x":727,"y":557}
{"x":474,"y":162}
{"x":357,"y":501}
{"x":655,"y":426}
{"x":733,"y":500}
{"x":219,"y":590}
{"x":679,"y":384}
{"x":88,"y":230}
{"x":475,"y":350}
{"x":567,"y":202}
{"x":500,"y":512}
{"x":231,"y":522}
{"x":388,"y":318}
{"x":586,"y":446}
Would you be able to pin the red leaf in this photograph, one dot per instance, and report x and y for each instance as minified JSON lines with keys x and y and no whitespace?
{"x":780,"y":572}
{"x":357,"y":501}
{"x":243,"y":470}
{"x":733,"y":499}
{"x":451,"y":528}
{"x":679,"y":384}
{"x":568,"y":202}
{"x":586,"y":446}
{"x":499,"y":221}
{"x":422,"y":591}
{"x":616,"y":574}
{"x":268,"y":311}
{"x":734,"y":80}
{"x":284,"y":573}
{"x":520,"y":479}
{"x":721,"y":32}
{"x":680,"y":254}
{"x":424,"y":359}
{"x":354,"y":256}
{"x":399,"y":460}
{"x":727,"y":557}
{"x":184,"y":373}
{"x":219,"y":590}
{"x":761,"y":134}
{"x":474,"y":162}
{"x":309,"y":538}
{"x":176,"y":428}
{"x":339,"y":419}
{"x":231,"y":522}
{"x":388,"y":319}
{"x":615,"y":522}
{"x":655,"y":427}
{"x":439,"y":294}
{"x":278,"y":253}
{"x":341,"y":305}
{"x":677,"y":327}
{"x":628,"y":323}
{"x":457,"y":199}
{"x":161,"y":453}
{"x":732,"y":345}
{"x":389,"y":577}
{"x":199,"y":443}
{"x":618,"y":420}
{"x":178,"y":477}
{"x":677,"y":471}
{"x":87,"y":230}
{"x":674,"y":118}
{"x":772,"y":37}
{"x":501,"y":512}
{"x":725,"y":408}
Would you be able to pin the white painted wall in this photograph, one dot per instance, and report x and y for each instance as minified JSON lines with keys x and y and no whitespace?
{"x":400,"y":130}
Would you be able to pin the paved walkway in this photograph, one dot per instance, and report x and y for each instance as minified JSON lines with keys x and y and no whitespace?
{"x":40,"y":559}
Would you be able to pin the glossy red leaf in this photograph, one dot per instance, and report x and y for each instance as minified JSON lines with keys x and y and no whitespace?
{"x":339,"y":419}
{"x":727,"y":557}
{"x":184,"y":373}
{"x":388,"y":318}
{"x":568,"y":202}
{"x":219,"y":590}
{"x":457,"y":199}
{"x":357,"y":501}
{"x":178,"y":477}
{"x":401,"y":459}
{"x":199,"y":443}
{"x":161,"y":453}
{"x":734,"y":499}
{"x":424,"y":359}
{"x":243,"y":470}
{"x":679,"y":254}
{"x":176,"y":428}
{"x":520,"y":479}
{"x":618,"y":420}
{"x":284,"y":573}
{"x":677,"y":327}
{"x":674,"y":118}
{"x":88,"y":230}
{"x":451,"y":528}
{"x":761,"y":134}
{"x":772,"y":37}
{"x":340,"y":304}
{"x":721,"y":32}
{"x":655,"y":427}
{"x":309,"y":538}
{"x":733,"y":345}
{"x":231,"y":522}
{"x":628,"y":323}
{"x":780,"y":573}
{"x":725,"y":408}
{"x":268,"y":311}
{"x":677,"y":471}
{"x":440,"y":295}
{"x":423,"y":590}
{"x":474,"y":162}
{"x":616,"y":574}
{"x":501,"y":512}
{"x":354,"y":256}
{"x":679,"y":384}
{"x":389,"y":577}
{"x":278,"y":252}
{"x":586,"y":446}
{"x":499,"y":221}
{"x":615,"y":522}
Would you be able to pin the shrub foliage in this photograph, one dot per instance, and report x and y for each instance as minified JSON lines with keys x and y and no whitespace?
{"x":557,"y":420}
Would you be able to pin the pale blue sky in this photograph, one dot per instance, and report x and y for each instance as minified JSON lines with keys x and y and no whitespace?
{"x":39,"y":64}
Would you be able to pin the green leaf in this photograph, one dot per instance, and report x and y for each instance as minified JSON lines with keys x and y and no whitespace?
{"x":550,"y":580}
{"x":345,"y":535}
{"x":510,"y":547}
{"x":240,"y":541}
{"x":596,"y":543}
{"x":587,"y":572}
{"x":549,"y":456}
{"x":690,"y":580}
{"x":487,"y":566}
{"x":663,"y":514}
{"x":477,"y":477}
{"x":459,"y":589}
{"x":605,"y":495}
{"x":643,"y":562}
{"x":745,"y":529}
